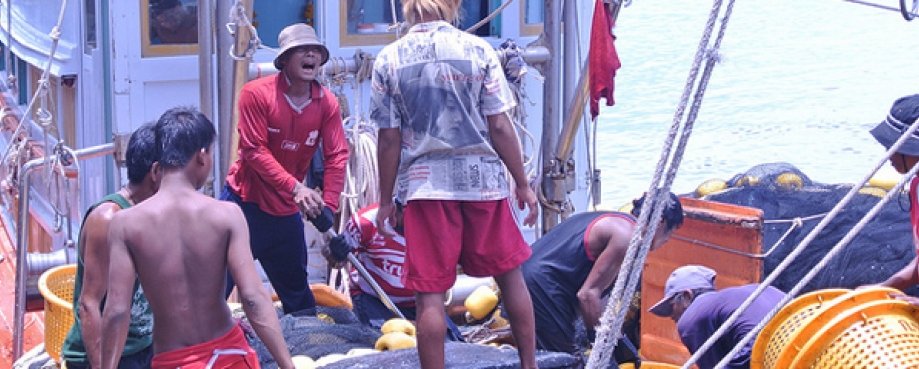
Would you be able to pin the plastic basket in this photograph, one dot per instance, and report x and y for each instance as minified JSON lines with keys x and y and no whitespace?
{"x":56,"y":286}
{"x":782,"y":328}
{"x":864,"y":328}
{"x":878,"y":334}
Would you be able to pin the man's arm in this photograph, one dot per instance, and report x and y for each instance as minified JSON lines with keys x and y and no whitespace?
{"x":253,"y":143}
{"x":95,"y":254}
{"x":117,"y":314}
{"x":504,"y":139}
{"x":252,"y":294}
{"x":389,"y":148}
{"x":601,"y":276}
{"x":905,"y":278}
{"x":334,"y":154}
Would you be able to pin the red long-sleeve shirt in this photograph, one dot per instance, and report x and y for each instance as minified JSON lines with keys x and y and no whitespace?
{"x":276,"y":144}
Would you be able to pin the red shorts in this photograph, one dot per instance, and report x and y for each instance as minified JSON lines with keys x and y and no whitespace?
{"x":231,"y":350}
{"x":482,"y":236}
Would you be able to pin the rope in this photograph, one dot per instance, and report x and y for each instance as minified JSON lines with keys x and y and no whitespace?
{"x":238,"y":18}
{"x":807,"y":240}
{"x":613,"y":317}
{"x":7,"y":53}
{"x":491,"y":16}
{"x":43,"y":84}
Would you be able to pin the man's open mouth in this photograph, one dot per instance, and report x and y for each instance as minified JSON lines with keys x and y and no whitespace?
{"x":308,"y":66}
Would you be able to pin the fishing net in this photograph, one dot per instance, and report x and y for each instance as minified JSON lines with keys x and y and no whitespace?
{"x":331,"y":331}
{"x":458,"y":355}
{"x":338,"y":331}
{"x":785,"y":194}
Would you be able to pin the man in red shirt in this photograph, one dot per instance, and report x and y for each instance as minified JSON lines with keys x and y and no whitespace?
{"x":282,"y":120}
{"x":384,"y":260}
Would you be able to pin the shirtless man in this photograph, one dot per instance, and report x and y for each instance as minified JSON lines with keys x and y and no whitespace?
{"x":183,"y":268}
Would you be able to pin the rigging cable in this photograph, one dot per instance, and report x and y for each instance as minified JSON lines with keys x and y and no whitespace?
{"x":804,"y":243}
{"x":43,"y":84}
{"x":613,"y":317}
{"x":490,"y":16}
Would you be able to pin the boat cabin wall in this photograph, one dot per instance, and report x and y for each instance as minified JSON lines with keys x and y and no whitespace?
{"x":117,"y":65}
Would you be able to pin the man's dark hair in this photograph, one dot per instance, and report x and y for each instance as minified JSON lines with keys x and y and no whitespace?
{"x":180,"y":133}
{"x":141,"y":152}
{"x":672,"y":214}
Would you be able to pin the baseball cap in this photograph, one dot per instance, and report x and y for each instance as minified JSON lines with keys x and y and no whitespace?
{"x":687,"y":277}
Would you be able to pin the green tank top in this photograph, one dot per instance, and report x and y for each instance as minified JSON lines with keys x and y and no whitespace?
{"x":140,"y":333}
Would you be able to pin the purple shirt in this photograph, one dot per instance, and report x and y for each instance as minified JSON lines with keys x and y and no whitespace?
{"x":710,"y":310}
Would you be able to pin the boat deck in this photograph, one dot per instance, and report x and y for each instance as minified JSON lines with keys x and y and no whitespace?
{"x":34,"y":322}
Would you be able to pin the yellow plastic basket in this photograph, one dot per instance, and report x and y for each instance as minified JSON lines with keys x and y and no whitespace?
{"x":877,"y":334}
{"x":56,"y":286}
{"x":772,"y":341}
{"x":864,"y":328}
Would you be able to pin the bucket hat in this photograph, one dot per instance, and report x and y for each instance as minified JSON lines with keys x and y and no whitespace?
{"x":903,"y":114}
{"x":687,"y":277}
{"x":296,"y":35}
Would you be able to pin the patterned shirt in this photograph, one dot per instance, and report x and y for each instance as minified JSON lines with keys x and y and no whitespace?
{"x":437,"y":85}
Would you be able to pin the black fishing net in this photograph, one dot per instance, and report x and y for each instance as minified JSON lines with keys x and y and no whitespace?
{"x":330,"y":331}
{"x":457,"y":355}
{"x":784,"y":194}
{"x":338,"y":331}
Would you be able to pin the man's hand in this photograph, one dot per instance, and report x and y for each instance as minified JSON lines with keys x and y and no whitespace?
{"x":912,"y":300}
{"x":338,"y":249}
{"x":324,"y":221}
{"x":308,"y":200}
{"x":526,"y":197}
{"x":386,"y":216}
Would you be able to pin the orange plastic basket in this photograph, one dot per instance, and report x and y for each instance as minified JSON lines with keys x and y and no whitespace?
{"x":56,"y":286}
{"x":877,"y":334}
{"x":785,"y":325}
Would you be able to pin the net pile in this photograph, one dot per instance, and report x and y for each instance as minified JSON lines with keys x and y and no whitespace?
{"x":458,"y":355}
{"x":784,"y":193}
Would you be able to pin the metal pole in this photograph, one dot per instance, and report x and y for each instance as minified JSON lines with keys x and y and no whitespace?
{"x":22,"y":237}
{"x":227,"y":85}
{"x":206,"y":78}
{"x":206,"y":58}
{"x":373,"y":284}
{"x":552,"y":186}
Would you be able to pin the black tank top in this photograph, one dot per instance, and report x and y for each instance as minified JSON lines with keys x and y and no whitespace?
{"x":559,"y":266}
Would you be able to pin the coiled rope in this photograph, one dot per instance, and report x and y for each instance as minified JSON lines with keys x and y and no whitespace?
{"x":626,"y":282}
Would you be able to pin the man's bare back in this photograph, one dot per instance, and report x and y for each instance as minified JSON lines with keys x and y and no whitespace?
{"x":181,"y":244}
{"x":176,"y":238}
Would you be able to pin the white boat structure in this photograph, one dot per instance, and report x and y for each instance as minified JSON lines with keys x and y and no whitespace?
{"x":80,"y":76}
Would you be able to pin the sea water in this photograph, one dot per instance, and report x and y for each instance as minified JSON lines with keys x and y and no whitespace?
{"x":799,"y":82}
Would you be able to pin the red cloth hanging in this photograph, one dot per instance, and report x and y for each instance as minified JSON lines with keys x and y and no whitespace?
{"x":603,"y":60}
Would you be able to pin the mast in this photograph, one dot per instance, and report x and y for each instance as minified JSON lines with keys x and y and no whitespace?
{"x":553,"y":181}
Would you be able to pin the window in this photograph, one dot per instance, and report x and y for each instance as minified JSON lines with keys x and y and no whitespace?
{"x":533,"y":16}
{"x":367,"y":22}
{"x":89,"y":11}
{"x":169,"y":27}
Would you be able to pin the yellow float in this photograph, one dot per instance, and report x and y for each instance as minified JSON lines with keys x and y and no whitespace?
{"x":789,"y":181}
{"x":395,"y":341}
{"x":481,"y":302}
{"x":710,"y":186}
{"x":398,"y":325}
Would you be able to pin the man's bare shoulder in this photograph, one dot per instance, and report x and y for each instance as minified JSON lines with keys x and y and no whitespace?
{"x":102,"y":214}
